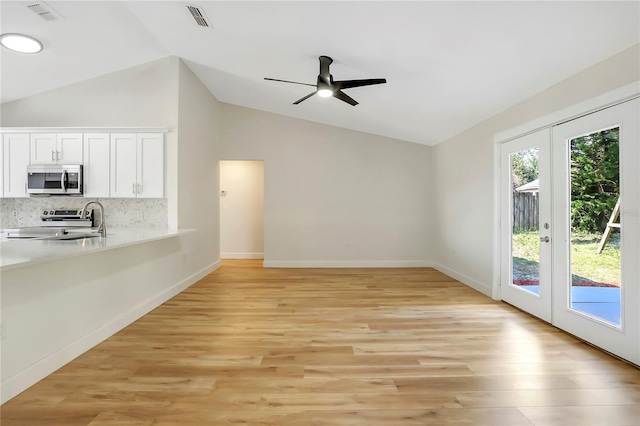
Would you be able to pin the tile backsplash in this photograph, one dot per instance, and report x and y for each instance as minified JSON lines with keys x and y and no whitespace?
{"x":119,"y":212}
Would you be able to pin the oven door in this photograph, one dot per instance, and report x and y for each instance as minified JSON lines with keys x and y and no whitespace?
{"x":54,"y":180}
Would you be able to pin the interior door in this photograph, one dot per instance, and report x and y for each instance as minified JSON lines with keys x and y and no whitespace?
{"x":525,"y":167}
{"x":596,"y":296}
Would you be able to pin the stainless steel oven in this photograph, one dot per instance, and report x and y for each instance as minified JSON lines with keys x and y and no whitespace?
{"x":52,"y":179}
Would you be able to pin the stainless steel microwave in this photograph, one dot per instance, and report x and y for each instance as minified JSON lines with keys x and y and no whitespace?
{"x":53,"y":179}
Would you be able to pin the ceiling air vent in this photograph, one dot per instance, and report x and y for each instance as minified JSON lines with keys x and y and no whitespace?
{"x":199,"y":15}
{"x":43,"y":11}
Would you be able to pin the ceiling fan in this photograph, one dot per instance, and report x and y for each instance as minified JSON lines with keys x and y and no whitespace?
{"x":326,"y":87}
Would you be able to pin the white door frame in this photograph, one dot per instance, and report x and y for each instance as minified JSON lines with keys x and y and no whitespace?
{"x":603,"y":101}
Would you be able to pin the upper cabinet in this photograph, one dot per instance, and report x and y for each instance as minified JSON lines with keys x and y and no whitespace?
{"x":56,"y":148}
{"x":15,"y":150}
{"x":137,"y":165}
{"x":3,"y":167}
{"x":97,"y":165}
{"x":150,"y":166}
{"x":116,"y":165}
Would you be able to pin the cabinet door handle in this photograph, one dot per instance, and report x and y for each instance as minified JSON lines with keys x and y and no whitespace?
{"x":139,"y":188}
{"x":57,"y":155}
{"x":53,"y":156}
{"x":133,"y":188}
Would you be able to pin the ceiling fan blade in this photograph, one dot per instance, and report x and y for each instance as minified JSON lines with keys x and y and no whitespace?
{"x":287,"y":81}
{"x":339,"y":94}
{"x":325,"y":61}
{"x":305,"y":98}
{"x":348,"y":84}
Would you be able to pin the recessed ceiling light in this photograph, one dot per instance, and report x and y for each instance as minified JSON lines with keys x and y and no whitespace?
{"x":20,"y":43}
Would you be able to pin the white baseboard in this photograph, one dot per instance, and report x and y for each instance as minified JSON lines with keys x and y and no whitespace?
{"x":464,"y":279}
{"x":232,"y":255}
{"x":346,"y":264}
{"x":38,"y":371}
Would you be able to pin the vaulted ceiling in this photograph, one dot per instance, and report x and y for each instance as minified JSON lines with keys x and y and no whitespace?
{"x":448,"y":65}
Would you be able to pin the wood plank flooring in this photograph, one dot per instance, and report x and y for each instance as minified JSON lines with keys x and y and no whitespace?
{"x":316,"y":347}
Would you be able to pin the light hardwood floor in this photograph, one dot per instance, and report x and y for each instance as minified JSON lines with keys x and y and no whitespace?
{"x":312,"y":347}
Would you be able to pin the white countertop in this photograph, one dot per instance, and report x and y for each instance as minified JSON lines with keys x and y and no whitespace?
{"x":17,"y":253}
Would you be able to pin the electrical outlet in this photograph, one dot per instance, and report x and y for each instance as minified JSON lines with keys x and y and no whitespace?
{"x":14,"y":214}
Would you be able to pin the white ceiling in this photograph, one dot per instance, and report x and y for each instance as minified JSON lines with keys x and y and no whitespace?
{"x":449,"y":65}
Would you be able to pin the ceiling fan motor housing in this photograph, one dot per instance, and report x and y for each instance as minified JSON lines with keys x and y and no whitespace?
{"x":326,"y":87}
{"x":324,"y":84}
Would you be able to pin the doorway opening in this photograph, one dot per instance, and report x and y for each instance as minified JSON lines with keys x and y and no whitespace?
{"x":242,"y":209}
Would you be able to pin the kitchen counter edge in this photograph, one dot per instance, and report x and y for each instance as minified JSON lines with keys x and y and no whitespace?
{"x":16,"y":254}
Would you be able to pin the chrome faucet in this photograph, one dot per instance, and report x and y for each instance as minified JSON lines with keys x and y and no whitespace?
{"x":102,"y":228}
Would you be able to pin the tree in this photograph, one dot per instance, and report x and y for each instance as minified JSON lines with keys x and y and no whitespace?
{"x":595,"y":179}
{"x":524,"y":166}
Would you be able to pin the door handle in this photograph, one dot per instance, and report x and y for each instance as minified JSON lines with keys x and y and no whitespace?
{"x":544,"y":239}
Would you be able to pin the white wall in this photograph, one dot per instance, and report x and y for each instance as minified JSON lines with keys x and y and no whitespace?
{"x":144,"y":95}
{"x":335,"y":197}
{"x":197,"y":156}
{"x":463,"y":169}
{"x":242,"y":210}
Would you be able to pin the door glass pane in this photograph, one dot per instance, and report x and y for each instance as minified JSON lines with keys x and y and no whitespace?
{"x":595,"y":228}
{"x":525,"y":240}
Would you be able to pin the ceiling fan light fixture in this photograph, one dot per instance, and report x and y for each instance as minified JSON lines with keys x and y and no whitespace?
{"x":326,"y":87}
{"x":20,"y":43}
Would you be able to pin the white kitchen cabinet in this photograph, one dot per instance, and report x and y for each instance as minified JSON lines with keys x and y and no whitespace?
{"x":15,"y":149}
{"x":123,"y":165}
{"x":3,"y":168}
{"x":56,"y":148}
{"x":69,"y":148}
{"x":137,"y":165}
{"x":43,"y":148}
{"x":96,"y":165}
{"x":150,"y":165}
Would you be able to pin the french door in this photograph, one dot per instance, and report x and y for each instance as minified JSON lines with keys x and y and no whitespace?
{"x":596,"y":162}
{"x":575,"y":260}
{"x":526,"y":221}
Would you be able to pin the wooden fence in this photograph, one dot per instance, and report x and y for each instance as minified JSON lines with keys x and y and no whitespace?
{"x":526,"y":207}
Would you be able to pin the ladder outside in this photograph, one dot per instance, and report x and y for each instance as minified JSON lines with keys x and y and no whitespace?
{"x":610,"y":225}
